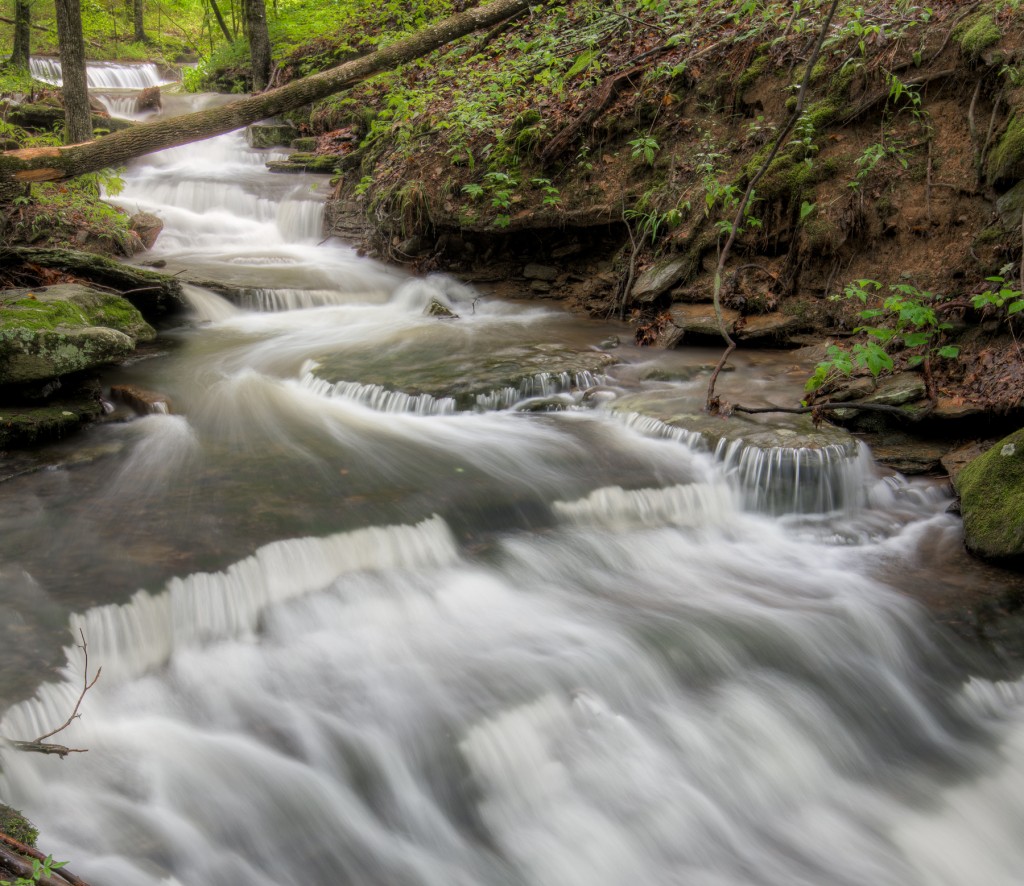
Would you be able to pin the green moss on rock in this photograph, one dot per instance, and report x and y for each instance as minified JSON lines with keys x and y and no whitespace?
{"x":15,"y":825}
{"x":977,"y":34}
{"x":59,"y":330}
{"x":992,"y":501}
{"x":1006,"y":162}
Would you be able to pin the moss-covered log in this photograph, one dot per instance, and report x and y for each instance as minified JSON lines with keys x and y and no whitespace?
{"x":56,"y":163}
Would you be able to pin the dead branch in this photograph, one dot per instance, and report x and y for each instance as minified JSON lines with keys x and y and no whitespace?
{"x":40,"y":745}
{"x":831,"y":407}
{"x":20,"y":867}
{"x":86,"y":686}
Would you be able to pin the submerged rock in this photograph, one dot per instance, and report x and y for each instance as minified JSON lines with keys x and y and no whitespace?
{"x":783,"y":464}
{"x":50,"y":332}
{"x":495,"y":378}
{"x":991,"y":492}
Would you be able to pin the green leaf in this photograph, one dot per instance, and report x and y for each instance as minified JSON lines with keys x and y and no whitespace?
{"x":1016,"y":307}
{"x":582,"y":62}
{"x":915,"y":339}
{"x":806,"y":209}
{"x":950,"y":352}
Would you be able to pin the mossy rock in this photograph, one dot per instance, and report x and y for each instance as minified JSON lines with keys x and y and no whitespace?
{"x":57,"y":330}
{"x":15,"y":825}
{"x":25,"y":426}
{"x":306,"y":145}
{"x":976,"y":35}
{"x":270,"y":135}
{"x":992,"y":501}
{"x":1006,"y":162}
{"x":305,"y":162}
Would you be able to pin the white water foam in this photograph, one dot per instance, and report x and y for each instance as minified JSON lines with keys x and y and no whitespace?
{"x":615,"y":508}
{"x":101,"y":75}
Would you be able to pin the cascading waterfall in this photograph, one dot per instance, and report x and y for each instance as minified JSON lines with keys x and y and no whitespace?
{"x":100,"y":75}
{"x":355,"y":634}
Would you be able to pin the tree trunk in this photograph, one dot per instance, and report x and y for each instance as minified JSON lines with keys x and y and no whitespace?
{"x":22,"y":34}
{"x":259,"y":43}
{"x":140,"y":29}
{"x":220,"y":21}
{"x":54,"y":164}
{"x":77,"y":114}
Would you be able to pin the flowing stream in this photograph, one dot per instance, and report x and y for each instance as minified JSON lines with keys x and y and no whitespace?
{"x":359,"y":633}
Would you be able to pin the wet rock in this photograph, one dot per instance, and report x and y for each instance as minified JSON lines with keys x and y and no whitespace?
{"x":910,"y":456}
{"x":777,"y":430}
{"x":540,"y":286}
{"x":270,"y":135}
{"x":413,"y":246}
{"x":991,"y":489}
{"x":692,"y":321}
{"x":544,"y":273}
{"x":659,"y":278}
{"x":148,"y":100}
{"x":148,"y":227}
{"x":955,"y":461}
{"x":489,"y":377}
{"x":140,"y":400}
{"x":1010,"y":207}
{"x":898,"y":390}
{"x":63,"y":329}
{"x":438,"y":309}
{"x":22,"y":426}
{"x":303,"y":162}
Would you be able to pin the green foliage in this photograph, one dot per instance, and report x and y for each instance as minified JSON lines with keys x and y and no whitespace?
{"x":905,"y":319}
{"x":1004,"y":295}
{"x":40,"y":870}
{"x":644,"y":146}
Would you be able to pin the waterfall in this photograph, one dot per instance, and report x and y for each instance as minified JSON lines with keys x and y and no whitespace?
{"x":354,"y":633}
{"x":102,"y":75}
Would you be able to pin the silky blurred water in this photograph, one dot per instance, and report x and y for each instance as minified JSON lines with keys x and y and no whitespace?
{"x":348,"y":637}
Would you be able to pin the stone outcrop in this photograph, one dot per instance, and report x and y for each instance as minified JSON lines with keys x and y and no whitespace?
{"x":991,"y":492}
{"x":59,"y":330}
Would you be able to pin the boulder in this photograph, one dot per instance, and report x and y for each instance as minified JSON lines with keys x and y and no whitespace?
{"x":270,"y":135}
{"x":148,"y":100}
{"x":660,"y":277}
{"x":140,"y":400}
{"x":991,"y":492}
{"x":698,"y":321}
{"x":50,"y":332}
{"x":148,"y":227}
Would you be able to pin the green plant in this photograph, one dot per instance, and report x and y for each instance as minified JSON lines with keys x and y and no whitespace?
{"x":904,"y":319}
{"x":40,"y":870}
{"x":644,"y":146}
{"x":1003,"y":295}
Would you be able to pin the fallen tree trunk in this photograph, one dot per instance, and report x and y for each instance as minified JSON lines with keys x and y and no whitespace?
{"x":54,"y":164}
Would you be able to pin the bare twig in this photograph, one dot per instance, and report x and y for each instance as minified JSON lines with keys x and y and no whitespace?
{"x":831,"y":407}
{"x":87,"y":684}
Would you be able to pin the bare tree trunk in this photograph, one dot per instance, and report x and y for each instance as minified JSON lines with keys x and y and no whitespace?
{"x":77,"y":115}
{"x":22,"y":34}
{"x":259,"y":43}
{"x":54,"y":164}
{"x":140,"y":29}
{"x":220,"y":21}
